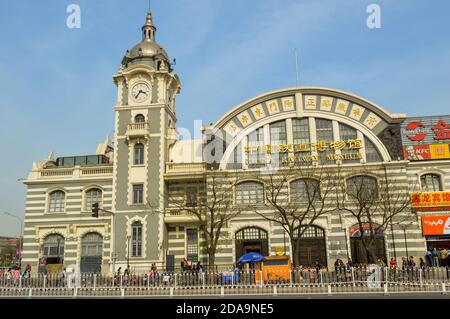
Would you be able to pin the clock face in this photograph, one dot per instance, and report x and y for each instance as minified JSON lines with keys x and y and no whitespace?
{"x":140,"y":92}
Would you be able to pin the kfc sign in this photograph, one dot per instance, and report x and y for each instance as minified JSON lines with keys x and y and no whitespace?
{"x":441,"y":130}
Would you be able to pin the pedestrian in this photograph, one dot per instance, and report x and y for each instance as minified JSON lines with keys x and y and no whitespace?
{"x":404,"y":263}
{"x":183,"y":264}
{"x":199,"y":267}
{"x":392,"y":263}
{"x":429,"y":257}
{"x":349,"y":265}
{"x":411,"y":262}
{"x":435,"y":255}
{"x":443,"y":254}
{"x":421,"y":263}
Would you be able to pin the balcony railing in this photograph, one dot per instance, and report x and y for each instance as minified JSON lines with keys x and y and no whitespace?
{"x":137,"y":129}
{"x":76,"y":172}
{"x":185,"y":167}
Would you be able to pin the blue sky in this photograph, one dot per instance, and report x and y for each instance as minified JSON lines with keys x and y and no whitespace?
{"x":56,"y":91}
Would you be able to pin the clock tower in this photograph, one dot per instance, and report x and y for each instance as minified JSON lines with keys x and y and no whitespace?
{"x":144,"y":129}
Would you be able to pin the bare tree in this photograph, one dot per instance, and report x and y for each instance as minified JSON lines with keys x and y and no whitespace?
{"x":295,"y":198}
{"x":213,"y":210}
{"x":374,"y":200}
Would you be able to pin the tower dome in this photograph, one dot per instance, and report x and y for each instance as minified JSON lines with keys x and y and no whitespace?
{"x":147,"y":48}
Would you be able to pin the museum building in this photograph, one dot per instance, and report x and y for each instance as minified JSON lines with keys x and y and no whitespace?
{"x":150,"y":183}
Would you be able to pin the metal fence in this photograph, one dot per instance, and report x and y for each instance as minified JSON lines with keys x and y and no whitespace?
{"x":355,"y":276}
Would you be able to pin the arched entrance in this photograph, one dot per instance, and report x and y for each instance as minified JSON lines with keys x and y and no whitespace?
{"x":91,"y":253}
{"x":251,"y":239}
{"x":53,"y":249}
{"x":312,"y":246}
{"x":360,"y":255}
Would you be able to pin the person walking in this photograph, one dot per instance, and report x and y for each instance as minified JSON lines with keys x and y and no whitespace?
{"x":435,"y":255}
{"x":443,"y":254}
{"x":421,"y":263}
{"x":429,"y":257}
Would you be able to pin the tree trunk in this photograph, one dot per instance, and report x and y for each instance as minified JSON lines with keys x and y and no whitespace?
{"x":295,"y":257}
{"x":211,"y":259}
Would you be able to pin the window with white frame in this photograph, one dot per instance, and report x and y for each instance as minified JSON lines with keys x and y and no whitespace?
{"x":56,"y":203}
{"x":139,"y":154}
{"x":305,"y":190}
{"x":192,"y":244}
{"x":347,"y":133}
{"x":431,"y":183}
{"x":249,"y":193}
{"x":362,"y":188}
{"x":372,"y":154}
{"x":136,"y":239}
{"x":138,"y":194}
{"x":93,"y":196}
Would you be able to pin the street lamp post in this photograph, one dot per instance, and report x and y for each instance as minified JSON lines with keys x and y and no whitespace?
{"x":20,"y":236}
{"x":406,"y":242}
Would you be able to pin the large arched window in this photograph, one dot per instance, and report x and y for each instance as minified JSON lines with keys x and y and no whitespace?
{"x":53,"y":249}
{"x":362,"y":188}
{"x":305,"y":190}
{"x":93,"y":196}
{"x":139,"y":154}
{"x":278,"y":136}
{"x":372,"y":154}
{"x":249,"y":193}
{"x":324,"y":135}
{"x":91,"y":244}
{"x":139,"y":118}
{"x":136,"y":239}
{"x":431,"y":183}
{"x":251,"y":239}
{"x":56,"y":202}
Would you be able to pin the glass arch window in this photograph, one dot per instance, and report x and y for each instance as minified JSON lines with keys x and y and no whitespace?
{"x":53,"y":249}
{"x":249,"y":193}
{"x":431,"y":183}
{"x":372,"y":154}
{"x":301,"y":139}
{"x":256,"y":155}
{"x":56,"y":202}
{"x":278,"y":135}
{"x":324,"y":133}
{"x":311,"y":231}
{"x":235,"y":160}
{"x":347,"y":133}
{"x":94,"y":195}
{"x":139,"y":118}
{"x":305,"y":190}
{"x":91,"y":244}
{"x":362,"y":188}
{"x":136,"y":239}
{"x":139,"y":154}
{"x":250,"y":233}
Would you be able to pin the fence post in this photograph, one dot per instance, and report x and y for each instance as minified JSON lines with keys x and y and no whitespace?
{"x":121,"y":279}
{"x":261,"y":280}
{"x":232,"y":278}
{"x":75,"y":292}
{"x":222,"y":291}
{"x":353,"y":276}
{"x":275,"y":292}
{"x":95,"y":281}
{"x":329,"y":290}
{"x":386,"y":291}
{"x":444,"y":289}
{"x":175,"y":280}
{"x":30,"y":293}
{"x":148,"y":280}
{"x":20,"y":281}
{"x":171,"y":292}
{"x":45,"y":281}
{"x":420,"y":277}
{"x":203,"y":279}
{"x":321,"y":277}
{"x":122,"y":292}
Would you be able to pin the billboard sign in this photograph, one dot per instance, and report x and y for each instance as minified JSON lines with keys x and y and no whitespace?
{"x":430,"y":201}
{"x":426,"y":138}
{"x":436,"y":225}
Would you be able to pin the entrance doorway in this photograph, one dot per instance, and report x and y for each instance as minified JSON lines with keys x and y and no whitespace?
{"x":251,"y":239}
{"x":359,"y":254}
{"x":312,"y":247}
{"x":91,"y":253}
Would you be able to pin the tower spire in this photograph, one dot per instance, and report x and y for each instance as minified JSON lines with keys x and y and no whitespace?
{"x":148,"y":29}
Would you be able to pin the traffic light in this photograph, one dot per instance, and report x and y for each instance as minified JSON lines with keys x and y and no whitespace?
{"x":95,"y":210}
